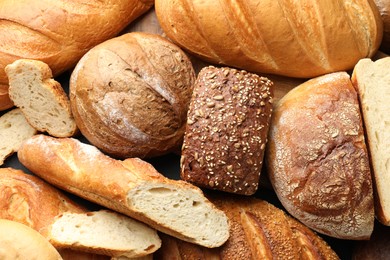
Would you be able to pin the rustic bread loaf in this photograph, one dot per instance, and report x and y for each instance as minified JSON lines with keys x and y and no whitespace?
{"x":317,"y":159}
{"x":258,"y":230}
{"x":14,"y":129}
{"x":291,"y":38}
{"x":42,"y":100}
{"x":103,"y":232}
{"x":59,"y":32}
{"x":227,"y":129}
{"x":132,"y":187}
{"x":18,"y":241}
{"x":384,"y":10}
{"x":372,"y":82}
{"x":130,"y":95}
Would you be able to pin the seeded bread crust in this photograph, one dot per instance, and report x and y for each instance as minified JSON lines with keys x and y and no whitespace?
{"x":226,"y":131}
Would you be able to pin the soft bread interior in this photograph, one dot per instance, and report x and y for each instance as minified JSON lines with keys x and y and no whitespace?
{"x":190,"y":213}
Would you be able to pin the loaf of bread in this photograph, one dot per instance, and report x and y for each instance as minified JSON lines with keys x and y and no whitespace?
{"x":42,"y":99}
{"x":130,"y":95}
{"x":258,"y":230}
{"x":31,"y":201}
{"x":227,"y":129}
{"x":14,"y":129}
{"x":59,"y":32}
{"x":317,"y":159}
{"x":18,"y":241}
{"x":291,"y":38}
{"x":103,"y":232}
{"x":372,"y":81}
{"x":132,"y":187}
{"x":384,"y":10}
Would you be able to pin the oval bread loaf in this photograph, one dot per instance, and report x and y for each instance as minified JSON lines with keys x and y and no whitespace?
{"x":59,"y":32}
{"x":317,"y":160}
{"x":290,"y":38}
{"x":130,"y":95}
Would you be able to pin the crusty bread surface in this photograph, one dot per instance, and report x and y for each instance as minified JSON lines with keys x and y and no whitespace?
{"x":372,"y":82}
{"x":132,"y":187}
{"x":42,"y":99}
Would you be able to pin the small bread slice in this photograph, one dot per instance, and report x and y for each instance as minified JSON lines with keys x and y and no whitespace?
{"x":372,"y":81}
{"x":14,"y":129}
{"x":103,"y":232}
{"x":18,"y":241}
{"x":42,"y":99}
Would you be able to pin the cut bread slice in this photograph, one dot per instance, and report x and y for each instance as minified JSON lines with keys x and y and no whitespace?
{"x":372,"y":81}
{"x":103,"y":232}
{"x":42,"y":99}
{"x":14,"y":129}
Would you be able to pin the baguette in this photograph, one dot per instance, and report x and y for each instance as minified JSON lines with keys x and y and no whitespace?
{"x":372,"y":82}
{"x":59,"y":32}
{"x":132,"y":187}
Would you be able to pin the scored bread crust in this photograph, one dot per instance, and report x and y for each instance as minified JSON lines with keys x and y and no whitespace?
{"x":290,"y":38}
{"x":60,"y":32}
{"x":258,"y":230}
{"x":317,"y":159}
{"x":130,"y":95}
{"x":132,"y":187}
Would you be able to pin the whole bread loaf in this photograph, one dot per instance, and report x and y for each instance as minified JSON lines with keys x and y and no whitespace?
{"x":259,"y":230}
{"x":291,"y":38}
{"x":317,"y":158}
{"x":59,"y":32}
{"x":227,"y":128}
{"x":372,"y":82}
{"x":130,"y":95}
{"x":132,"y":187}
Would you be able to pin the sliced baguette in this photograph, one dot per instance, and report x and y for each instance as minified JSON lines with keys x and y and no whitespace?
{"x":372,"y":81}
{"x":103,"y":232}
{"x":42,"y":99}
{"x":132,"y":187}
{"x":14,"y":129}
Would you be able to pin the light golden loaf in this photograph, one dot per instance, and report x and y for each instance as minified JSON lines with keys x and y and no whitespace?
{"x":372,"y":82}
{"x":130,"y":95}
{"x":291,"y":38}
{"x":317,"y":160}
{"x":259,"y":230}
{"x":20,"y":242}
{"x":132,"y":187}
{"x":59,"y":32}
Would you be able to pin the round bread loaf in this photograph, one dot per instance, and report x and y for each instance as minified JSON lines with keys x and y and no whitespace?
{"x":384,"y":10}
{"x":290,"y":38}
{"x":130,"y":95}
{"x":18,"y":242}
{"x":227,"y":127}
{"x":317,"y":159}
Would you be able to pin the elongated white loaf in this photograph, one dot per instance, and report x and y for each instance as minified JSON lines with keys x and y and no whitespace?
{"x":372,"y":81}
{"x":132,"y":187}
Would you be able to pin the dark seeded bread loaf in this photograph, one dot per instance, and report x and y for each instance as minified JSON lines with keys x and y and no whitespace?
{"x":226,"y":132}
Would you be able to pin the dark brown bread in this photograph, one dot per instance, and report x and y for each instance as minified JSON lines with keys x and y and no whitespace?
{"x":317,"y":159}
{"x":258,"y":230}
{"x":226,"y":131}
{"x":130,"y":95}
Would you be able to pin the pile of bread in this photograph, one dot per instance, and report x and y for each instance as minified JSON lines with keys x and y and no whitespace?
{"x":293,"y":91}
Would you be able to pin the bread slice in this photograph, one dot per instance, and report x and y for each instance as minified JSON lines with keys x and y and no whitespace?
{"x":18,"y":241}
{"x":14,"y":129}
{"x":372,"y":81}
{"x":103,"y":232}
{"x":132,"y":187}
{"x":42,"y":99}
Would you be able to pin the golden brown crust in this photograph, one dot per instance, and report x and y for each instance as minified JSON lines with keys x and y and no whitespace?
{"x":226,"y":133}
{"x":293,"y":38}
{"x":130,"y":95}
{"x":317,"y":159}
{"x":59,"y":33}
{"x":259,"y":230}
